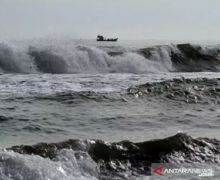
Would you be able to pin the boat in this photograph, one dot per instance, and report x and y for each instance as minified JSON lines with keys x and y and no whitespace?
{"x":101,"y":38}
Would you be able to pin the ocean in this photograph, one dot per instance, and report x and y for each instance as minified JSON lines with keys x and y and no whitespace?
{"x":84,"y":110}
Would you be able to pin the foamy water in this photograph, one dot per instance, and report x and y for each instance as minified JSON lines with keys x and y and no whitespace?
{"x":99,"y":94}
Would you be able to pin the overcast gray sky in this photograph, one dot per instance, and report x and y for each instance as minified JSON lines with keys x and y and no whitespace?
{"x":126,"y":19}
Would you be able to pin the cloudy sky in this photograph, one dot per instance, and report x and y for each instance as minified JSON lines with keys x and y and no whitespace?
{"x":126,"y":19}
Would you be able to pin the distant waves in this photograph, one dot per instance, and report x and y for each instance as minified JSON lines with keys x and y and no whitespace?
{"x":61,"y":59}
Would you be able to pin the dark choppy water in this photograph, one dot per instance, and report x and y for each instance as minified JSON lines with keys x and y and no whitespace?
{"x":137,"y":95}
{"x":58,"y":107}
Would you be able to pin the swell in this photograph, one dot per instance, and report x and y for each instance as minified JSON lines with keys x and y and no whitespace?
{"x":199,"y":90}
{"x":61,"y":59}
{"x":183,"y":90}
{"x":135,"y":157}
{"x":82,"y":97}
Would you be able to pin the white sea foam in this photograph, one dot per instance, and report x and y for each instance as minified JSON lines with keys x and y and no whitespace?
{"x":73,"y":58}
{"x":67,"y":166}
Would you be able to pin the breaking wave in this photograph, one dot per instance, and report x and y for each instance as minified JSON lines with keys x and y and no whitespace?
{"x":96,"y":159}
{"x":61,"y":59}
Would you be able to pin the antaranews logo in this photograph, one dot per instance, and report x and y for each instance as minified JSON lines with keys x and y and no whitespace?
{"x":169,"y":169}
{"x":158,"y":170}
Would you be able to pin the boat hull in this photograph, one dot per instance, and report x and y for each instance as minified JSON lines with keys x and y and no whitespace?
{"x":111,"y":40}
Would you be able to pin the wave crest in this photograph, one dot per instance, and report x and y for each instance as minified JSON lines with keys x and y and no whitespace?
{"x":72,"y":58}
{"x":136,"y":157}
